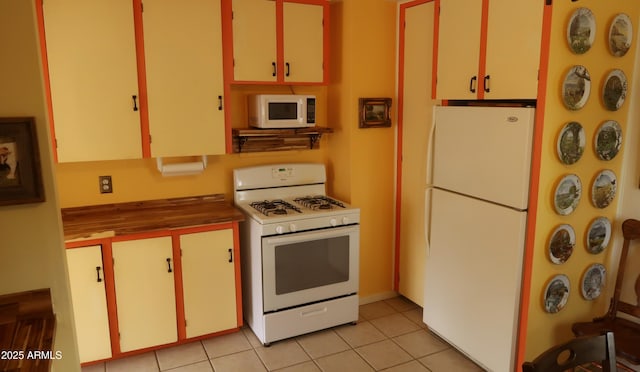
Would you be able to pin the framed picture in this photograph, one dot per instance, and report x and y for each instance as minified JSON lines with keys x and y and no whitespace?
{"x":375,"y":112}
{"x":20,"y":176}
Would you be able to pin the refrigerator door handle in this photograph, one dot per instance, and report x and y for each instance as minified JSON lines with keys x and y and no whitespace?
{"x":427,"y":220}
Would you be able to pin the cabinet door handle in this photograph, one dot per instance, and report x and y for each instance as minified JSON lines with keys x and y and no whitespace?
{"x":169,"y":265}
{"x":230,"y":255}
{"x":135,"y":103}
{"x":98,"y":273}
{"x":273,"y":64}
{"x":487,"y":89}
{"x":472,"y":84}
{"x":288,"y":69}
{"x":219,"y":103}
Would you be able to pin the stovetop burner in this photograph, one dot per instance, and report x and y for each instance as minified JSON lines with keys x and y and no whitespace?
{"x":274,"y":207}
{"x":318,"y":202}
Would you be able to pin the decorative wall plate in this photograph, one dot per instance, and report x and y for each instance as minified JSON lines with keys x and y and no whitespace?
{"x":598,"y":235}
{"x":556,"y":293}
{"x":593,"y":281}
{"x":567,"y":194}
{"x":561,"y":244}
{"x":614,"y":90}
{"x":620,"y":35}
{"x":604,"y":188}
{"x":571,"y":143}
{"x":581,"y":30}
{"x":608,"y":140}
{"x":576,"y":87}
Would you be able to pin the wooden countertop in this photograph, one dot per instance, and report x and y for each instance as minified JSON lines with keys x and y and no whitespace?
{"x":107,"y":220}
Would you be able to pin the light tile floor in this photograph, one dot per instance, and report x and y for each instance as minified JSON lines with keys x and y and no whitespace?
{"x":389,"y":336}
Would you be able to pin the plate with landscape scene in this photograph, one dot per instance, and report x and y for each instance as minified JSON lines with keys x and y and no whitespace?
{"x":620,"y":35}
{"x":571,"y":143}
{"x":561,"y":244}
{"x":581,"y":30}
{"x":556,"y":293}
{"x":598,"y":235}
{"x":576,"y":87}
{"x":614,"y":90}
{"x":604,"y":188}
{"x":593,"y":281}
{"x":567,"y":194}
{"x":608,"y":140}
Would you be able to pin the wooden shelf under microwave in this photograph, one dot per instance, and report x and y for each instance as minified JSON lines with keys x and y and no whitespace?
{"x":256,"y":140}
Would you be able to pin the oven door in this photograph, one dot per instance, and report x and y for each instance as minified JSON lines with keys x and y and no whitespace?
{"x":311,"y":266}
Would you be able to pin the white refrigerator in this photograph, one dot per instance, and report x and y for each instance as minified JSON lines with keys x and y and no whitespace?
{"x":477,"y":199}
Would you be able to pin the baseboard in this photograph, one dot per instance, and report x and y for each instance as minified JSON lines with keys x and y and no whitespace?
{"x":377,"y":297}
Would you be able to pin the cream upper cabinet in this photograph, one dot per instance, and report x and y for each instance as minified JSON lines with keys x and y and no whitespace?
{"x":183,"y":59}
{"x":254,"y":40}
{"x":515,"y":31}
{"x":208,"y":276}
{"x":303,"y":42}
{"x":94,"y":82}
{"x":282,"y":49}
{"x":492,"y":58}
{"x":145,"y":292}
{"x":458,"y":49}
{"x":86,"y":279}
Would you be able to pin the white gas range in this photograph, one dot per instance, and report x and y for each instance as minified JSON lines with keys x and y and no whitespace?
{"x":299,"y":251}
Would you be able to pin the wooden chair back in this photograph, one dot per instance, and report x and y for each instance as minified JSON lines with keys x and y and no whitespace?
{"x":630,"y":232}
{"x":577,"y":352}
{"x":627,"y":328}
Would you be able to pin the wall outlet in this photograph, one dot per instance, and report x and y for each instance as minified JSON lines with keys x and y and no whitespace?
{"x":106,"y":187}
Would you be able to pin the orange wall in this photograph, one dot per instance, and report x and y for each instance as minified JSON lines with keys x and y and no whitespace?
{"x":544,"y":329}
{"x":363,"y":37}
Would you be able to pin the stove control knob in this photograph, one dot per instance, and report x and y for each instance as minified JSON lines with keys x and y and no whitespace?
{"x":293,"y":227}
{"x":333,"y":222}
{"x":279,"y":229}
{"x":345,"y":220}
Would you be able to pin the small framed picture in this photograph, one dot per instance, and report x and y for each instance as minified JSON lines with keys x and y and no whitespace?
{"x":20,"y":175}
{"x":375,"y":112}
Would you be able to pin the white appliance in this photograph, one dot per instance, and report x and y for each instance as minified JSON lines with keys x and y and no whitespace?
{"x":478,"y":214}
{"x":281,"y":110}
{"x":299,"y":251}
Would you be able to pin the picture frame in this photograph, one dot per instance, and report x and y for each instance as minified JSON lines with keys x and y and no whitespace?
{"x":374,"y":112}
{"x":20,"y":172}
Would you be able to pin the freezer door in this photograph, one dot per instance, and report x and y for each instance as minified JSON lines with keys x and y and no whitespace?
{"x":473,"y":277}
{"x":484,"y":152}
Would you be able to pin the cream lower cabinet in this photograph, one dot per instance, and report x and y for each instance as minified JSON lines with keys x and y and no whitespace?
{"x":183,"y":53}
{"x":208,"y":276}
{"x":145,"y":292}
{"x":86,"y":278}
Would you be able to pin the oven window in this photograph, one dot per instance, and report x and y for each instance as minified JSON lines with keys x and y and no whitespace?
{"x":283,"y":110}
{"x":311,"y":264}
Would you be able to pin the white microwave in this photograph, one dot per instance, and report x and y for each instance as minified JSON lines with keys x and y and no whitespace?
{"x":281,"y":110}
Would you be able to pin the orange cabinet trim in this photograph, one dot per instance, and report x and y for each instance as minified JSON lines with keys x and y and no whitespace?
{"x":45,"y":72}
{"x":482,"y":64}
{"x":142,"y":79}
{"x":535,"y":185}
